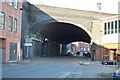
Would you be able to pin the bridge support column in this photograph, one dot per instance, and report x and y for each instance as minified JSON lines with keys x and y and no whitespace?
{"x":95,"y":52}
{"x":62,"y":49}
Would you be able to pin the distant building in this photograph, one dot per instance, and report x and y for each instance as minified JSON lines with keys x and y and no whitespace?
{"x":77,"y":47}
{"x":10,"y":29}
{"x":107,"y":32}
{"x":83,"y":47}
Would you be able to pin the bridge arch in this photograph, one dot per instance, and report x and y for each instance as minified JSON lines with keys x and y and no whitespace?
{"x":64,"y":32}
{"x":81,"y":26}
{"x":36,"y":24}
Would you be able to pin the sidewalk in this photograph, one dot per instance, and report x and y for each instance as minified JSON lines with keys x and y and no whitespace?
{"x":96,"y":63}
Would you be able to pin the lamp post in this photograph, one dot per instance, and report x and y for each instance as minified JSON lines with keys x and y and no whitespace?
{"x":99,"y":6}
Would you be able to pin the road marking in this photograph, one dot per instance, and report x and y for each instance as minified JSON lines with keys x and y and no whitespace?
{"x":65,"y":75}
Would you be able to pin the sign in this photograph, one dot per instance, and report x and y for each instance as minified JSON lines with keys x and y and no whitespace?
{"x":46,"y":40}
{"x":106,"y":55}
{"x":27,"y":44}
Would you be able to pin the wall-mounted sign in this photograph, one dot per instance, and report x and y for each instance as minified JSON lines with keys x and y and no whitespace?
{"x":27,"y":44}
{"x":106,"y":55}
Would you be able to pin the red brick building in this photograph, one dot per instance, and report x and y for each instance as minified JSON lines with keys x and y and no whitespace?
{"x":10,"y":29}
{"x":83,"y":47}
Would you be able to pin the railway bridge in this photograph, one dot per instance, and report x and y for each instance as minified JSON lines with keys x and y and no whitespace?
{"x":51,"y":28}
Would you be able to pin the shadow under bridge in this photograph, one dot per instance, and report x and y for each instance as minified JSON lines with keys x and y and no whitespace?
{"x":59,"y":34}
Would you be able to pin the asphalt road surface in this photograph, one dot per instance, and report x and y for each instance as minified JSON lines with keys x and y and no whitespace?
{"x":55,"y":67}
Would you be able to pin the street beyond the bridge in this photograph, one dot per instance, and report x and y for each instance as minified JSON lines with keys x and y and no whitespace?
{"x":55,"y":67}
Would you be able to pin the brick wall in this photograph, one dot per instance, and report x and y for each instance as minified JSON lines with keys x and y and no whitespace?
{"x":11,"y":37}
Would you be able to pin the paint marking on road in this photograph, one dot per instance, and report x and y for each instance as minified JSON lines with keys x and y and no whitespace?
{"x":64,"y":76}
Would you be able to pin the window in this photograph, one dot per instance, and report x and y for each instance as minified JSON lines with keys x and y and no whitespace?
{"x":108,"y":27}
{"x":119,"y":26}
{"x":10,"y":23}
{"x":105,"y":28}
{"x":11,"y":2}
{"x":3,"y":0}
{"x":14,"y":3}
{"x":115,"y":26}
{"x":112,"y":28}
{"x":88,"y":49}
{"x":15,"y":25}
{"x":84,"y":49}
{"x":2,"y":20}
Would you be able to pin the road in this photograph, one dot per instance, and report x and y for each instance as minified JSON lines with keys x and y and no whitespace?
{"x":55,"y":67}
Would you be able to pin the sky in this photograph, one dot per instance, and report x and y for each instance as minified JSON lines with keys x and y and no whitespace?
{"x":108,"y":6}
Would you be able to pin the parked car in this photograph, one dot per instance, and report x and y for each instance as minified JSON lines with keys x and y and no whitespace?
{"x":81,"y":54}
{"x":104,"y":62}
{"x":86,"y":54}
{"x":116,"y":75}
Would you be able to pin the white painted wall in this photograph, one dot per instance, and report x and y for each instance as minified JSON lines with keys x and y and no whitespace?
{"x":111,"y":55}
{"x":110,"y":38}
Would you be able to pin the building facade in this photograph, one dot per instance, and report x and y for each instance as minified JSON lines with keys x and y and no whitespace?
{"x":107,"y":38}
{"x":78,"y":47}
{"x":10,"y":29}
{"x":83,"y":47}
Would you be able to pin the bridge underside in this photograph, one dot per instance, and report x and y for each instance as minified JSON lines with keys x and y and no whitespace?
{"x":64,"y":33}
{"x":58,"y":34}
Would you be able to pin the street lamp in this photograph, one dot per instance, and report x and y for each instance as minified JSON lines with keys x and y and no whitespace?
{"x":99,"y":6}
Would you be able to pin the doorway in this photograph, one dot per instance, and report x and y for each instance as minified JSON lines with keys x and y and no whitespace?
{"x":13,"y":52}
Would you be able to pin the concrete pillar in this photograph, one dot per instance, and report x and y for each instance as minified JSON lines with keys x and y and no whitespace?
{"x":64,"y":49}
{"x":36,"y":49}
